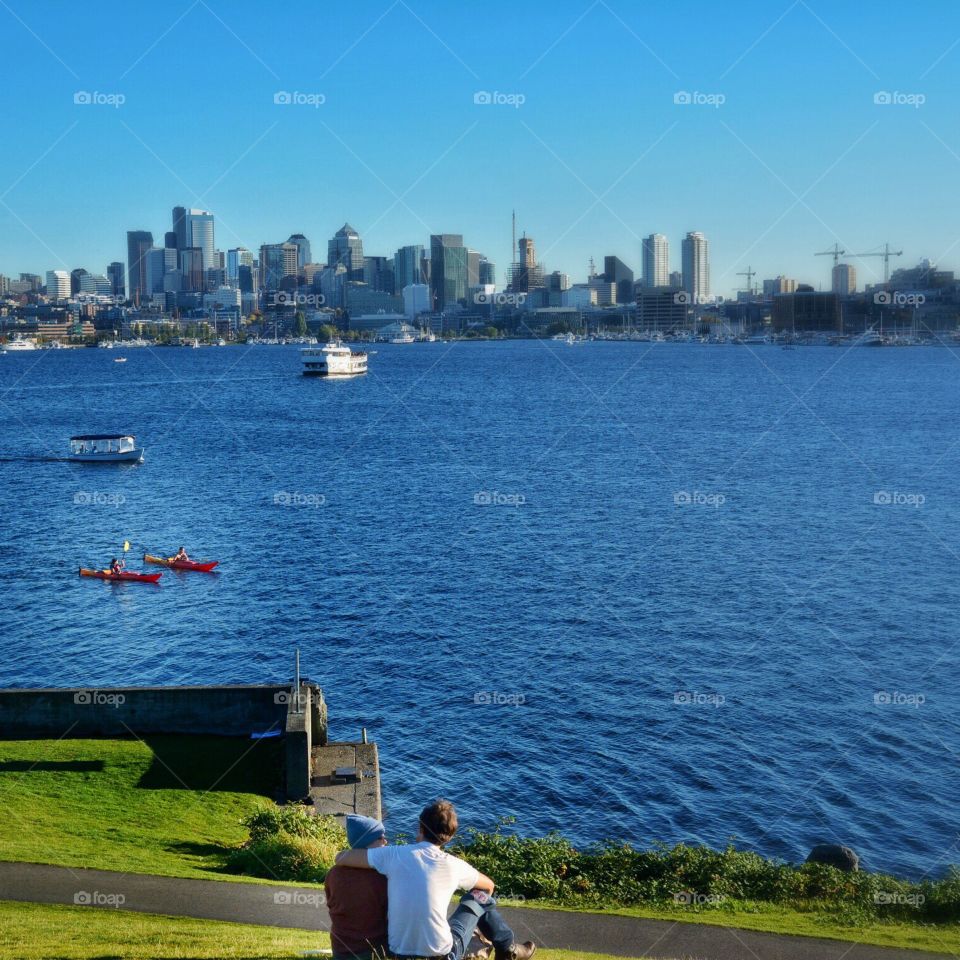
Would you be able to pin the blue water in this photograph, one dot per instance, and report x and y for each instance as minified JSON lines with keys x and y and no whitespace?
{"x":580,"y":602}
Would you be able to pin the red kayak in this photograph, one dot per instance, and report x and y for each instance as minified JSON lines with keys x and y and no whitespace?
{"x":125,"y":575}
{"x":181,"y":564}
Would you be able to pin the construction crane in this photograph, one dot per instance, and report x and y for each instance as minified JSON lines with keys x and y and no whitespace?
{"x":837,"y":252}
{"x":886,"y":253}
{"x":749,"y":273}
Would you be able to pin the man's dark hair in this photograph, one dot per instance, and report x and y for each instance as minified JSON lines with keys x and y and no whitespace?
{"x":439,"y":822}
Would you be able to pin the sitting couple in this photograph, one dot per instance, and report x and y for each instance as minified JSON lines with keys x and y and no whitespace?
{"x":394,"y":901}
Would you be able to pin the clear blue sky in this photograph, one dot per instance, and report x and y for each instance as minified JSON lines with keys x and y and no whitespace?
{"x":597,"y":156}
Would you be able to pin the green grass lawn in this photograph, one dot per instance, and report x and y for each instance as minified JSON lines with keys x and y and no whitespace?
{"x":31,"y":931}
{"x":172,"y":806}
{"x":168,"y":805}
{"x":808,"y":921}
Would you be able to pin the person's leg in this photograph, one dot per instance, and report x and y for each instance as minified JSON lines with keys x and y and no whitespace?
{"x":463,"y":923}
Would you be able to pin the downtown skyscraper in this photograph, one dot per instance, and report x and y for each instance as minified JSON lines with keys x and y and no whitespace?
{"x":696,"y":266}
{"x":656,"y":261}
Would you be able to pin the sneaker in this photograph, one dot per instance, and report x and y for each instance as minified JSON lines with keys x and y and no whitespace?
{"x":519,"y":951}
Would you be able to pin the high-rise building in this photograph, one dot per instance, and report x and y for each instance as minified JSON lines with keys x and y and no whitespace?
{"x":346,"y":247}
{"x":525,"y":273}
{"x":378,"y":273}
{"x":191,"y":269}
{"x":278,"y":265}
{"x":159,"y":262}
{"x":656,"y":261}
{"x":194,"y":228}
{"x":138,"y":243}
{"x":303,"y":250}
{"x":488,"y":273}
{"x":621,"y":276}
{"x":170,"y":239}
{"x":696,"y":266}
{"x":58,"y":284}
{"x":844,"y":278}
{"x":407,"y":266}
{"x":416,"y":300}
{"x":448,"y":269}
{"x":236,"y":258}
{"x":248,"y":278}
{"x":659,"y":308}
{"x":115,"y":273}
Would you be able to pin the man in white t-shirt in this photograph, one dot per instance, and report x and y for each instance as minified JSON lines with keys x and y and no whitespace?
{"x":421,"y":879}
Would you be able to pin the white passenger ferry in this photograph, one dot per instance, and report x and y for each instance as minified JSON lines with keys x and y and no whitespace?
{"x":332,"y":360}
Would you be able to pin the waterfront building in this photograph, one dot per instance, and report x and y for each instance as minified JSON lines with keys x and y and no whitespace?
{"x":138,"y":243}
{"x":448,"y":270}
{"x":58,"y":285}
{"x":359,"y":298}
{"x":696,"y":266}
{"x":807,"y":310}
{"x":580,"y":297}
{"x":115,"y":272}
{"x":844,"y":279}
{"x":621,"y":276}
{"x":661,"y":308}
{"x":656,"y":261}
{"x":408,"y":266}
{"x":369,"y":322}
{"x":346,"y":248}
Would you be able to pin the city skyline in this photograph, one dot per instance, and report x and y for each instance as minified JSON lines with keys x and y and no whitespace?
{"x":660,"y":128}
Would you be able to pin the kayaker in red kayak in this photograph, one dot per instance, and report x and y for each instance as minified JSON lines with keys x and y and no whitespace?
{"x":116,"y":566}
{"x":181,"y":555}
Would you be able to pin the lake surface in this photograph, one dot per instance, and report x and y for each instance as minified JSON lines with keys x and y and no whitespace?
{"x":621,"y":590}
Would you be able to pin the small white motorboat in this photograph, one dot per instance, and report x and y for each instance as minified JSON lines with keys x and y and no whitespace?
{"x":105,"y":448}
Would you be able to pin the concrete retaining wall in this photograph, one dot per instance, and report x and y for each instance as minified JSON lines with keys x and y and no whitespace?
{"x":234,"y":711}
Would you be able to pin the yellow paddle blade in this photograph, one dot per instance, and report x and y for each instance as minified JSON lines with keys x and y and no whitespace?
{"x":126,"y":545}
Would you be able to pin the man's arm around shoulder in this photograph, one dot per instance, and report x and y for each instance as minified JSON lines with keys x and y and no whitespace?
{"x":353,"y":858}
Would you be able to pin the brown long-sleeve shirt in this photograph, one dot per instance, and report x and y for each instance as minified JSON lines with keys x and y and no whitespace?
{"x":357,"y":902}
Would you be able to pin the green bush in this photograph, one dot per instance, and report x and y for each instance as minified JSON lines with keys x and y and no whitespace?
{"x":551,"y":868}
{"x":287,"y":843}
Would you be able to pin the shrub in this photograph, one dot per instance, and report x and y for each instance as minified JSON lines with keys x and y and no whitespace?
{"x":287,"y":843}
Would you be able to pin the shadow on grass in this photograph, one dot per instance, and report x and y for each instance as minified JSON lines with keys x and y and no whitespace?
{"x":51,"y":766}
{"x":228,"y":764}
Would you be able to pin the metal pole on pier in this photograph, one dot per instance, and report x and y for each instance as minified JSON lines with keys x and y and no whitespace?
{"x":296,"y":687}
